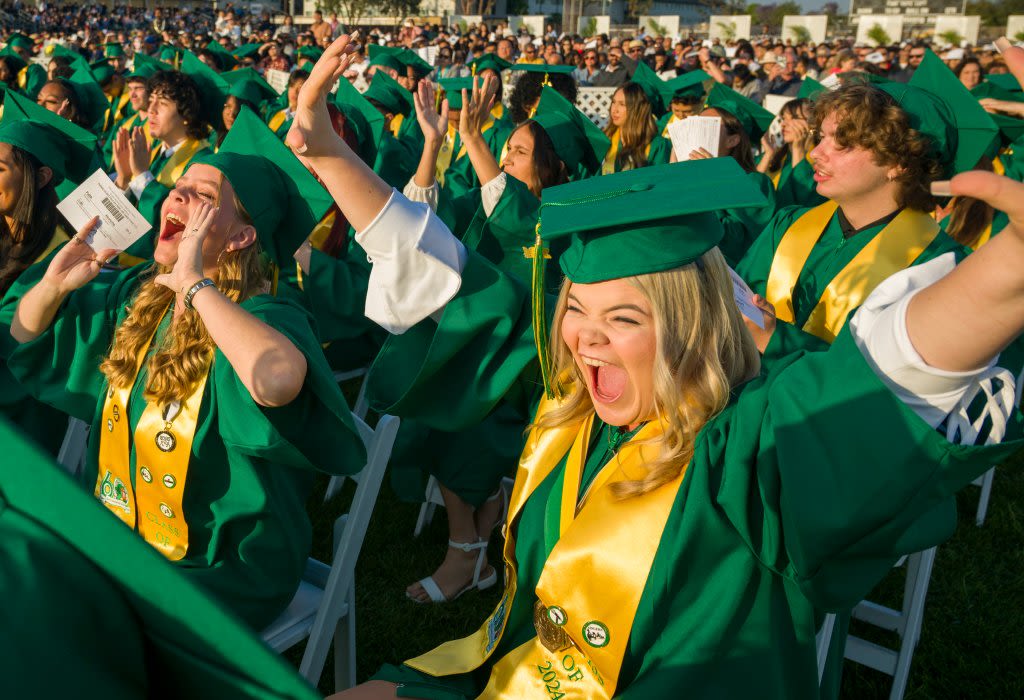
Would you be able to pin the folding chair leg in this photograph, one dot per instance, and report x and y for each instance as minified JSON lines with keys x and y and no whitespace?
{"x":919,"y":573}
{"x":334,"y":487}
{"x":430,"y":497}
{"x":986,"y":493}
{"x":345,"y":647}
{"x":823,"y":642}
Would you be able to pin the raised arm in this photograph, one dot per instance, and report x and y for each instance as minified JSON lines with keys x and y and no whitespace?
{"x":476,"y":110}
{"x":433,"y":127}
{"x":360,"y":193}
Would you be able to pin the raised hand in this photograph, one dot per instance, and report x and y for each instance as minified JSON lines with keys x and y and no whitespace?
{"x":122,"y":158}
{"x":76,"y":264}
{"x":139,"y":151}
{"x":188,"y":268}
{"x":476,"y":107}
{"x":433,"y":125}
{"x":312,"y":134}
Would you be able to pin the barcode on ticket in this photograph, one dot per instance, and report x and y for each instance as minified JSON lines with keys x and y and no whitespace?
{"x":114,"y":211}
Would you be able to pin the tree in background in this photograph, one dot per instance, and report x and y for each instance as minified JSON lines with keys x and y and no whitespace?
{"x":995,"y":12}
{"x":800,"y":34}
{"x":878,"y":35}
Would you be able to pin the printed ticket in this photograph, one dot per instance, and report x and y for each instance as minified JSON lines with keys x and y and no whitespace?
{"x":694,"y":133}
{"x":745,"y":300}
{"x":120,"y":224}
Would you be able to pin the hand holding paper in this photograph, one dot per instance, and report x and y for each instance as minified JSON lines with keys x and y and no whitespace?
{"x":120,"y":223}
{"x":694,"y":134}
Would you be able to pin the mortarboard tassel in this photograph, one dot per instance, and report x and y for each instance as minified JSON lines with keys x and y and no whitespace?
{"x":539,"y":255}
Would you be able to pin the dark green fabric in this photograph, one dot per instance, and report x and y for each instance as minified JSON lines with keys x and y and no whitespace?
{"x":785,"y":510}
{"x":743,"y":225}
{"x":797,"y":186}
{"x":460,"y":176}
{"x":249,"y":533}
{"x":118,"y":619}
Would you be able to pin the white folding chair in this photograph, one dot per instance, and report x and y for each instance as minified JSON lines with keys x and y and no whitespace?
{"x":985,"y":482}
{"x":906,"y":622}
{"x":323,"y":608}
{"x":822,"y":640}
{"x":432,"y":498}
{"x":72,"y":449}
{"x":359,"y":410}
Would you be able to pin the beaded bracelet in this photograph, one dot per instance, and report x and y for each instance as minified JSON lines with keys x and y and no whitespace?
{"x":201,"y":284}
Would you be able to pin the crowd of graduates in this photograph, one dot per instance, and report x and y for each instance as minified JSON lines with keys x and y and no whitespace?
{"x":699,"y":476}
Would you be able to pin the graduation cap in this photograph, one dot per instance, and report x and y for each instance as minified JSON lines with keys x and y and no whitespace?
{"x":90,"y":95}
{"x":310,"y":53}
{"x":57,"y":143}
{"x":246,"y":84}
{"x":14,"y":59}
{"x":225,"y":61}
{"x":489,"y":61}
{"x":171,"y":54}
{"x":77,"y":60}
{"x":1006,"y":81}
{"x":284,"y":200}
{"x":386,"y":56}
{"x":145,"y":67}
{"x":636,"y":222}
{"x":365,"y":120}
{"x":411,"y":59}
{"x":650,"y":83}
{"x":246,"y":51}
{"x":809,"y":88}
{"x":180,"y":642}
{"x":386,"y":91}
{"x":453,"y":88}
{"x":20,"y":41}
{"x":577,"y":140}
{"x":963,"y":131}
{"x":113,"y":50}
{"x":754,"y":118}
{"x":213,"y":88}
{"x":545,"y":68}
{"x":35,"y":78}
{"x":102,"y":70}
{"x":691,"y":84}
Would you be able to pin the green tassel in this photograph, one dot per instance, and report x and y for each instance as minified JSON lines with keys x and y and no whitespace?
{"x":539,"y":254}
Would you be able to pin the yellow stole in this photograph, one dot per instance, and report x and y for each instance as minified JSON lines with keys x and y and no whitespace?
{"x":153,"y":505}
{"x":608,"y":166}
{"x":775,"y":177}
{"x":894,"y":248}
{"x":317,"y":239}
{"x":59,"y":236}
{"x":277,"y":120}
{"x":997,"y":166}
{"x":445,"y":155}
{"x":596,"y":618}
{"x":175,"y":166}
{"x":664,"y":132}
{"x":396,"y":124}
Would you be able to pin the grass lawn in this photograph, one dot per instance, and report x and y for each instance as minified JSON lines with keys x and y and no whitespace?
{"x":972,"y":641}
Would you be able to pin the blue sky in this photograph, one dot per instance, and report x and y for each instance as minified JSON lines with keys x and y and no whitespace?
{"x":844,"y":5}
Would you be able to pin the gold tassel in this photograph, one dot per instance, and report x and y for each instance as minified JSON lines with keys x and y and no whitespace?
{"x":539,"y":254}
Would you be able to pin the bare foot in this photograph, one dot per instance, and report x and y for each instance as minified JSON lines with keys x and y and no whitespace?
{"x":454,"y":574}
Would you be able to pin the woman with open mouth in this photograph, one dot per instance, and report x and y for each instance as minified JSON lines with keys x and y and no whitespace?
{"x":680,"y":517}
{"x":210,"y":400}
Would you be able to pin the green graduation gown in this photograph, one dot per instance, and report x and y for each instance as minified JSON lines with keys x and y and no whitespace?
{"x":796,"y":186}
{"x":784,"y":511}
{"x":460,"y":177}
{"x":829,"y":256}
{"x":248,"y":532}
{"x":743,"y":226}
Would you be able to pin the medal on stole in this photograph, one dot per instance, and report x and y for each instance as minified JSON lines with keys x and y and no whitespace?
{"x":548,"y":622}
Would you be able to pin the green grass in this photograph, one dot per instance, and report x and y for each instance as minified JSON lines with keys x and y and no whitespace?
{"x":972,"y":640}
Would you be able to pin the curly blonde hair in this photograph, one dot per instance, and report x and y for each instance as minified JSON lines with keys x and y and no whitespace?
{"x":183,"y":357}
{"x":704,"y":350}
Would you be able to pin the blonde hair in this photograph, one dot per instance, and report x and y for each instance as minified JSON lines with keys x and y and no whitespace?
{"x":186,"y":351}
{"x":704,"y":350}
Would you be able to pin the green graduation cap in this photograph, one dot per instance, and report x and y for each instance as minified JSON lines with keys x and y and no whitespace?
{"x":545,"y":68}
{"x":139,"y":627}
{"x":690,"y":84}
{"x":453,"y":88}
{"x":145,"y":67}
{"x":489,"y":61}
{"x":411,"y":59}
{"x":246,"y":51}
{"x":366,"y":120}
{"x":62,"y":146}
{"x":1011,"y":129}
{"x":14,"y":59}
{"x":246,"y":84}
{"x":310,"y":53}
{"x":810,"y":87}
{"x":754,"y":118}
{"x":171,"y":54}
{"x":284,"y":200}
{"x":386,"y":91}
{"x":972,"y":128}
{"x":77,"y":60}
{"x":1006,"y":81}
{"x":91,"y":96}
{"x":20,"y":41}
{"x":213,"y":88}
{"x":102,"y":70}
{"x":650,"y":83}
{"x":577,"y":140}
{"x":225,"y":61}
{"x":35,"y":79}
{"x":636,"y":222}
{"x":113,"y":50}
{"x":386,"y":56}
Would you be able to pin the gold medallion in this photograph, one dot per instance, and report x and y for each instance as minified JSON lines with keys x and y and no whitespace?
{"x":550,"y":634}
{"x":166,"y":441}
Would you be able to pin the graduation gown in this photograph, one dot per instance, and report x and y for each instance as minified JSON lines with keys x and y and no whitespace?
{"x":743,"y":226}
{"x":795,"y":186}
{"x":248,"y":535}
{"x":784,"y":510}
{"x":829,"y":256}
{"x":459,"y":177}
{"x":658,"y":152}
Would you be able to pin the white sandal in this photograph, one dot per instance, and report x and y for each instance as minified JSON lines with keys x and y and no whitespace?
{"x":434,"y":591}
{"x":504,"y":495}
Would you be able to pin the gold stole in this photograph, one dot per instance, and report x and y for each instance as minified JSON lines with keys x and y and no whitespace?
{"x":396,"y":124}
{"x":444,"y":156}
{"x":664,"y":132}
{"x":498,"y":110}
{"x":776,"y":176}
{"x":593,"y":546}
{"x":997,"y":166}
{"x":317,"y":239}
{"x":894,"y":248}
{"x":277,"y":120}
{"x":59,"y":236}
{"x":175,"y":166}
{"x":161,"y":460}
{"x":608,"y":166}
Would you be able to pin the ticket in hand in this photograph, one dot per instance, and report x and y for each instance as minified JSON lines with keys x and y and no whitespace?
{"x":745,"y":300}
{"x":120,"y":222}
{"x":694,"y":133}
